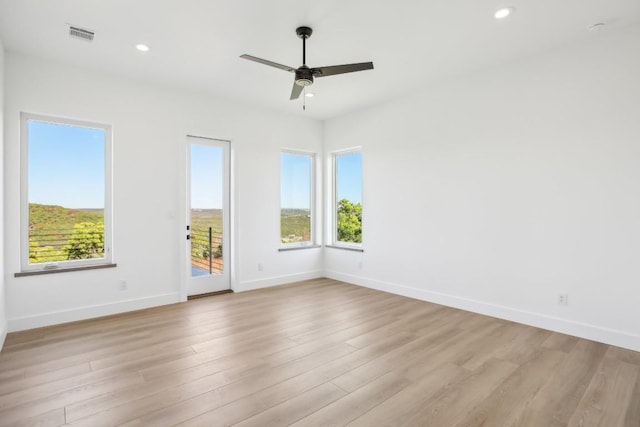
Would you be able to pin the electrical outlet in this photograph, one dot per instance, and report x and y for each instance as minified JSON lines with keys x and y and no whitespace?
{"x":360,"y":265}
{"x":260,"y":266}
{"x":563,"y":299}
{"x":122,"y":285}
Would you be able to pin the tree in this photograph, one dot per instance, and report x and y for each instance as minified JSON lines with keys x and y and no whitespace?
{"x":349,"y":221}
{"x":87,"y":241}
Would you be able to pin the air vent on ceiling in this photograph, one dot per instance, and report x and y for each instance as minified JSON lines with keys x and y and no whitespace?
{"x":80,"y":33}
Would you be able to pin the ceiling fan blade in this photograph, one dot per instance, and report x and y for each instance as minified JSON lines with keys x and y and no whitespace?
{"x":269,"y":63}
{"x":341,"y":69}
{"x":296,"y":90}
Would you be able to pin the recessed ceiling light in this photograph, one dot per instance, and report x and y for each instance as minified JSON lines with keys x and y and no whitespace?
{"x":310,"y":94}
{"x":503,"y":12}
{"x":142,"y":47}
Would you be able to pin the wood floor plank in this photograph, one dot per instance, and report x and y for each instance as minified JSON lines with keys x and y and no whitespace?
{"x":507,"y":402}
{"x":607,"y":399}
{"x":355,"y":404}
{"x":51,"y":388}
{"x":180,"y":403}
{"x":623,"y":355}
{"x":525,"y":346}
{"x":451,"y":407}
{"x":52,"y":418}
{"x":561,"y":342}
{"x":220,"y":403}
{"x":316,"y":352}
{"x":41,"y":406}
{"x":10,"y":375}
{"x":398,"y":409}
{"x":295,"y":408}
{"x":154,"y":394}
{"x":557,"y":400}
{"x":400,"y":358}
{"x":31,"y":382}
{"x":632,"y":417}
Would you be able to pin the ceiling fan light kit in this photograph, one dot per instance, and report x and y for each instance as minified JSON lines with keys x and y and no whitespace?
{"x":304,"y":75}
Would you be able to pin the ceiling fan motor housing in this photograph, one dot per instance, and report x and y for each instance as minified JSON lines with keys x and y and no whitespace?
{"x":304,"y":76}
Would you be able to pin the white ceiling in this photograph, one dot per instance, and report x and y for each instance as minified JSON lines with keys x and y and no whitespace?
{"x":196,"y":44}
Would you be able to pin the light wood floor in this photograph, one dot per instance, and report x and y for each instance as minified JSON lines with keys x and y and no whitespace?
{"x":315,"y":353}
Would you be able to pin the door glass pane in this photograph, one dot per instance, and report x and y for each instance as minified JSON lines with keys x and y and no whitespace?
{"x":207,"y":184}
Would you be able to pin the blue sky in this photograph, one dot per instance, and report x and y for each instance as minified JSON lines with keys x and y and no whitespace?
{"x":66,"y":165}
{"x":207,"y":163}
{"x":66,"y":168}
{"x":295,"y":184}
{"x":349,"y":177}
{"x":295,"y":187}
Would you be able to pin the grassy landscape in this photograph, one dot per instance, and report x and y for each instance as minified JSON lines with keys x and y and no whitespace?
{"x":295,"y":225}
{"x":57,"y":233}
{"x":47,"y":217}
{"x":201,"y":220}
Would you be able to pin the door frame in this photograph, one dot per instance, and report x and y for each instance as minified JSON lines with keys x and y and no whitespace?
{"x":184,"y":184}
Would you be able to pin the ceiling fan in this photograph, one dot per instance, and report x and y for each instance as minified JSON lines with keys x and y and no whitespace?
{"x":304,"y":74}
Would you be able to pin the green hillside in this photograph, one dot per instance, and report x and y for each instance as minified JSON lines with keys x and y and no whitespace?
{"x":57,"y":233}
{"x":295,"y":225}
{"x":51,"y":216}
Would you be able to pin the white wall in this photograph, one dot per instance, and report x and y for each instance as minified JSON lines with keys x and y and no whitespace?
{"x":496,"y":192}
{"x":3,"y":313}
{"x":492,"y":193}
{"x":150,"y":125}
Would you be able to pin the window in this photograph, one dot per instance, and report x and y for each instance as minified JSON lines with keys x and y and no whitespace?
{"x":347,"y":207}
{"x":66,"y":219}
{"x":296,"y":198}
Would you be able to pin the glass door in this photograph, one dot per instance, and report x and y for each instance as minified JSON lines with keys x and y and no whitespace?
{"x":207,"y":215}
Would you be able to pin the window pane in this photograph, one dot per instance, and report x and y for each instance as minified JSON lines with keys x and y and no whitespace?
{"x":66,"y":191}
{"x":295,"y":197}
{"x":348,"y":181}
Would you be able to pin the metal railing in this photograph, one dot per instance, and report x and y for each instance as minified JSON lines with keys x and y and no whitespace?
{"x":69,"y":243}
{"x":207,"y":249}
{"x":62,"y":244}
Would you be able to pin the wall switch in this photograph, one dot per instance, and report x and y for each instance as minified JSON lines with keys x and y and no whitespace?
{"x":563,"y":299}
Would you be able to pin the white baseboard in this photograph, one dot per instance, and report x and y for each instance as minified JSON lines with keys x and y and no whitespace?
{"x":277,"y":280}
{"x":579,"y":329}
{"x":3,"y":333}
{"x":89,"y":312}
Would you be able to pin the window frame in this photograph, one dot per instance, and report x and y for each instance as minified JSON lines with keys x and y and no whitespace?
{"x":335,"y":243}
{"x":312,"y":201}
{"x":67,"y":265}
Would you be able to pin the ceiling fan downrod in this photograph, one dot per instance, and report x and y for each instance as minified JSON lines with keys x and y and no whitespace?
{"x":304,"y":33}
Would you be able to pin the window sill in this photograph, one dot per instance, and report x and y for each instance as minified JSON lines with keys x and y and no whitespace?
{"x":63,"y":270}
{"x":295,"y":248}
{"x":345,"y":248}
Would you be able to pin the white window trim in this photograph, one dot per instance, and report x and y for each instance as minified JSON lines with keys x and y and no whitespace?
{"x":25,"y":266}
{"x":333,"y":238}
{"x":311,"y":243}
